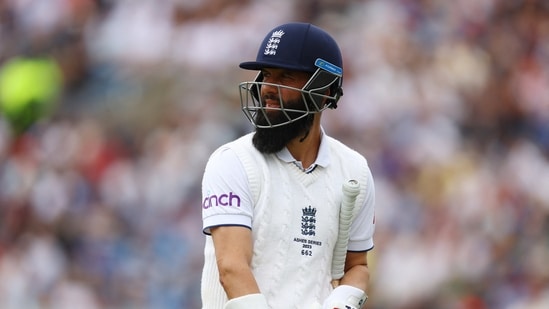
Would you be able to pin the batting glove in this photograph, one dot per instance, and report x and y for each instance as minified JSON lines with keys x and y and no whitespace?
{"x":256,"y":301}
{"x":345,"y":297}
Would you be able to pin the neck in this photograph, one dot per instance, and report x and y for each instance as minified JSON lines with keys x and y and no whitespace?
{"x":305,"y":149}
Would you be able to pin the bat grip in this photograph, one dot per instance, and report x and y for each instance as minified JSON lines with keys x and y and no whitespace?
{"x":350,"y":192}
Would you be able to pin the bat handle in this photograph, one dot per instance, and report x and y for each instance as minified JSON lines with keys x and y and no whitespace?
{"x":350,"y":192}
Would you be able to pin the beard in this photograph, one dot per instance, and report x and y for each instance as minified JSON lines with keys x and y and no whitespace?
{"x":272,"y":140}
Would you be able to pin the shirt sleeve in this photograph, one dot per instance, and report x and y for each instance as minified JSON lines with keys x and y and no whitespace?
{"x":362,"y":228}
{"x":226,"y":196}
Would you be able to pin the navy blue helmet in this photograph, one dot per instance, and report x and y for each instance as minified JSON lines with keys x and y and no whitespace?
{"x":300,"y":47}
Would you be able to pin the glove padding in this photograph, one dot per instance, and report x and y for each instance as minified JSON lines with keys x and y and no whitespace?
{"x":256,"y":301}
{"x":345,"y":297}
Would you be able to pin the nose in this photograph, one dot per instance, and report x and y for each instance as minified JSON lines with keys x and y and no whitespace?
{"x":269,"y":96}
{"x":268,"y":89}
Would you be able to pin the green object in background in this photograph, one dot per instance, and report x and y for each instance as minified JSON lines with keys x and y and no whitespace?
{"x":29,"y":88}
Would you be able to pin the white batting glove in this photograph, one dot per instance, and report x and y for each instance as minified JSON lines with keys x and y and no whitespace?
{"x":345,"y":297}
{"x":256,"y":301}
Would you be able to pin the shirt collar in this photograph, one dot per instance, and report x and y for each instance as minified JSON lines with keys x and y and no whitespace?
{"x":322,"y":159}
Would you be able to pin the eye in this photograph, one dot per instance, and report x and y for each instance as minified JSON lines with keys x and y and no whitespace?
{"x":288,"y":76}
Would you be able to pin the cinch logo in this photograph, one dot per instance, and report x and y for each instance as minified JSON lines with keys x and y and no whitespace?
{"x":230,"y":199}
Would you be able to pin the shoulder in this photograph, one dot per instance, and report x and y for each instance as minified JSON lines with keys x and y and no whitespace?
{"x":231,"y":149}
{"x":237,"y":160}
{"x":352,"y":163}
{"x":237,"y":154}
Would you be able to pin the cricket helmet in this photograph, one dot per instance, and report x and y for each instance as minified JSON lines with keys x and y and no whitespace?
{"x":300,"y":47}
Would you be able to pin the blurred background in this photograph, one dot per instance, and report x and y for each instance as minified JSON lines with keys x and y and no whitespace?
{"x":109,"y":110}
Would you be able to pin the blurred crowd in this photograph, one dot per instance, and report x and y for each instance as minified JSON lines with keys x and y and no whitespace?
{"x":448,"y":101}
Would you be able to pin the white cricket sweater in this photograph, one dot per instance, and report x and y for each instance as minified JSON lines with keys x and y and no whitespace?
{"x":294,"y":221}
